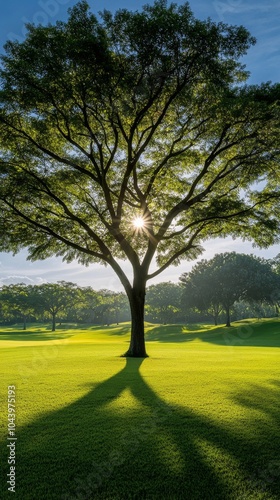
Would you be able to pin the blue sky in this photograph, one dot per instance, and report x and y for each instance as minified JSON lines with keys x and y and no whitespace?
{"x":263,"y":61}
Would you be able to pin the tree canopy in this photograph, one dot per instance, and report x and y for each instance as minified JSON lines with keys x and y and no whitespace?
{"x":140,"y":115}
{"x":54,"y":298}
{"x":16,"y":298}
{"x":163,"y":301}
{"x":229,"y":277}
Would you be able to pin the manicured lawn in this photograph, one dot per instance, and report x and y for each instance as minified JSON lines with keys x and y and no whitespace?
{"x":198,"y":419}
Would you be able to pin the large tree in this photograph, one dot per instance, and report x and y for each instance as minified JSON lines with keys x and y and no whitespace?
{"x":133,"y":137}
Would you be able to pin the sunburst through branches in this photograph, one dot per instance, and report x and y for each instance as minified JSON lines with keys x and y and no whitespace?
{"x":138,"y":223}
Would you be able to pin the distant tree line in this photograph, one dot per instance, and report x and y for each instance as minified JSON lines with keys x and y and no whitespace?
{"x":62,"y":301}
{"x":228,"y":286}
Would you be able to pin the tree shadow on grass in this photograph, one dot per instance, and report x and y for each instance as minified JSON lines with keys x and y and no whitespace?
{"x":119,"y":331}
{"x":122,"y":441}
{"x":23,"y":336}
{"x":112,"y":328}
{"x":170,"y":333}
{"x":259,"y":334}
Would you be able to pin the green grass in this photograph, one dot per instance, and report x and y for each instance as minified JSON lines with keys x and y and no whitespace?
{"x":198,"y":419}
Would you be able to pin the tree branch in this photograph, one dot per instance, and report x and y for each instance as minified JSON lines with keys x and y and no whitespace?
{"x":176,"y":255}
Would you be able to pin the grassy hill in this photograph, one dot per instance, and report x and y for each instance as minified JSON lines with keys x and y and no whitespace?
{"x":198,"y":419}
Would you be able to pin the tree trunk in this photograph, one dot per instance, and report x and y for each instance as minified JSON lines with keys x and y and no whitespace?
{"x":227,"y":317}
{"x":53,"y":322}
{"x":24,"y":322}
{"x":136,"y":297}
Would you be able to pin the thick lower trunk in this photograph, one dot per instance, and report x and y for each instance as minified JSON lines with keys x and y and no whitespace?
{"x":137,"y":341}
{"x":24,"y":322}
{"x":227,"y":317}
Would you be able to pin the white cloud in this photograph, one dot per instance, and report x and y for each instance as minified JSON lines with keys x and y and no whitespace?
{"x":16,"y":279}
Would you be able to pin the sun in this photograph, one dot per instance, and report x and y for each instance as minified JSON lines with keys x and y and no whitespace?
{"x":138,"y":223}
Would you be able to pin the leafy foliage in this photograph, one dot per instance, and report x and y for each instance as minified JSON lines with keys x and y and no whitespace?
{"x":220,"y":282}
{"x":54,"y":298}
{"x":137,"y":114}
{"x":17,"y":301}
{"x":65,"y":300}
{"x":163,"y":302}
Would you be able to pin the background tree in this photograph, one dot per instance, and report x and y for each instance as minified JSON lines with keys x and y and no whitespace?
{"x":275,"y":296}
{"x":111,"y":306}
{"x":119,"y":307}
{"x":163,"y":301}
{"x":244,"y":309}
{"x":201,"y":291}
{"x":134,"y":137}
{"x":3,"y":311}
{"x":228,"y":278}
{"x":17,"y":299}
{"x":245,"y":277}
{"x":84,"y":310}
{"x":55,"y":298}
